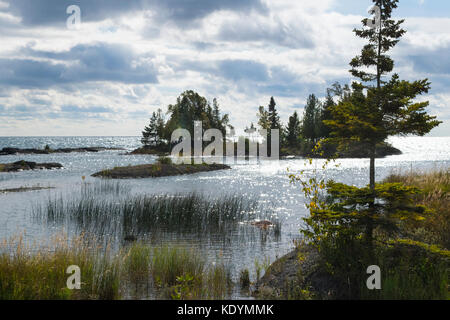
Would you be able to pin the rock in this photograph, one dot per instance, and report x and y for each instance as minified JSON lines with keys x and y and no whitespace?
{"x":27,"y":165}
{"x":157,"y":170}
{"x":151,"y":151}
{"x":264,"y":224}
{"x":12,"y":151}
{"x":299,"y":269}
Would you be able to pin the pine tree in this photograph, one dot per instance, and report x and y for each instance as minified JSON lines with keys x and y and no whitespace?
{"x":293,"y":131}
{"x":263,"y":118}
{"x":274,"y":119}
{"x":378,"y":108}
{"x":150,"y":133}
{"x":311,"y":119}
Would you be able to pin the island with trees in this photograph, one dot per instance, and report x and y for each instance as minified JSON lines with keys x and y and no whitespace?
{"x":297,"y":138}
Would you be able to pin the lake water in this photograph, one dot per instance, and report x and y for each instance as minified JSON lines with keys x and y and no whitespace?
{"x":267,"y":180}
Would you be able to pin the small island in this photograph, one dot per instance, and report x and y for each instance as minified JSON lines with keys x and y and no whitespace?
{"x":48,"y":150}
{"x":27,"y":165}
{"x":157,"y":170}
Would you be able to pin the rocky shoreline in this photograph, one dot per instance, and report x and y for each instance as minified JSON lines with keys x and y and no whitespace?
{"x":354,"y":150}
{"x":157,"y":170}
{"x":24,"y":189}
{"x":14,"y":151}
{"x":23,"y":165}
{"x":296,"y":275}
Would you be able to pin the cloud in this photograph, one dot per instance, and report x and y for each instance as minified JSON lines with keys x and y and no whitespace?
{"x":266,"y":30}
{"x":53,"y":12}
{"x":243,"y":69}
{"x":436,"y":61}
{"x":76,"y":109}
{"x":82,"y":63}
{"x":131,"y":57}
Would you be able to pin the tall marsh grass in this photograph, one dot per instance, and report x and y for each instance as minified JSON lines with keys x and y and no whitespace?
{"x":34,"y":273}
{"x":139,"y":215}
{"x":39,"y":272}
{"x":104,"y":187}
{"x":435,"y":186}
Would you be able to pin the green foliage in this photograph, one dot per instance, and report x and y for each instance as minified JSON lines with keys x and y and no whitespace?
{"x":244,"y":279}
{"x":293,"y":131}
{"x":340,"y":226}
{"x":263,"y":118}
{"x":411,"y":270}
{"x":274,"y":119}
{"x":137,"y":262}
{"x":311,"y":119}
{"x":154,"y":132}
{"x":269,"y":120}
{"x":164,"y":160}
{"x":27,"y":275}
{"x":169,"y":263}
{"x":34,"y":273}
{"x":435,"y":186}
{"x":372,"y":112}
{"x":190,"y":107}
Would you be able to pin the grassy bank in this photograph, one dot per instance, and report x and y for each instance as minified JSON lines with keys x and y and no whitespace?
{"x":435,"y":186}
{"x":413,"y":255}
{"x":32,"y":273}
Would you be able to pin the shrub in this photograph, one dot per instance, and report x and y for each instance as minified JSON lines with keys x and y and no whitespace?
{"x":164,"y":160}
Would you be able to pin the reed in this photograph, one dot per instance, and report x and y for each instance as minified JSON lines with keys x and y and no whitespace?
{"x":435,"y":186}
{"x":39,"y":272}
{"x":138,"y":215}
{"x":34,"y":273}
{"x":171,"y":262}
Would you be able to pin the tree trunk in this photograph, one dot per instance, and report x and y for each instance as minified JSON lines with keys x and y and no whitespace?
{"x":369,"y":226}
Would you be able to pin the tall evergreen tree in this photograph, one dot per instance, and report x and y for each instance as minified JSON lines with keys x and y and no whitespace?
{"x":378,"y":108}
{"x":154,"y":132}
{"x":274,"y":119}
{"x":293,"y":132}
{"x":325,"y":113}
{"x":311,"y":119}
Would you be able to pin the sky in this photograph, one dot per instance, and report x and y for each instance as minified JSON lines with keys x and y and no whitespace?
{"x":129,"y":58}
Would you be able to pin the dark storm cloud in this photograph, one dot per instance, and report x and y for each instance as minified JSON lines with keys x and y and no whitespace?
{"x":53,"y":12}
{"x":82,"y":63}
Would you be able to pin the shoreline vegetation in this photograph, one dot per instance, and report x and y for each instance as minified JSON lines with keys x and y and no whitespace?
{"x":351,"y":151}
{"x":137,"y":271}
{"x":23,"y":165}
{"x":414,"y":266}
